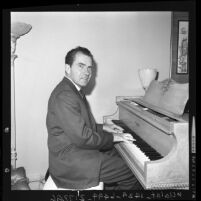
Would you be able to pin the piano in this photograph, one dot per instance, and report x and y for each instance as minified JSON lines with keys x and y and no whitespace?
{"x":159,"y":156}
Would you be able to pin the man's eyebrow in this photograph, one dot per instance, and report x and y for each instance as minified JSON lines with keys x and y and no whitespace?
{"x":83,"y":64}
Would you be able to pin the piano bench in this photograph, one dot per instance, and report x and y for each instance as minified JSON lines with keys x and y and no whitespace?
{"x":50,"y":185}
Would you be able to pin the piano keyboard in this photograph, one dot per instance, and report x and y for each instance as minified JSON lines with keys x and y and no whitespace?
{"x":139,"y":155}
{"x":143,"y":151}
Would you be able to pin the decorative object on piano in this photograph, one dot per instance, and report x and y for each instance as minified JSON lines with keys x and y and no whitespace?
{"x":179,"y":47}
{"x":17,"y":29}
{"x":168,"y":95}
{"x":146,"y":75}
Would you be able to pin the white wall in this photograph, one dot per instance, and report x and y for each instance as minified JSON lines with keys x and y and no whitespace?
{"x":121,"y":42}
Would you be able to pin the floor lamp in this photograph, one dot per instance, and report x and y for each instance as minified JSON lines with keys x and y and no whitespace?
{"x":18,"y":29}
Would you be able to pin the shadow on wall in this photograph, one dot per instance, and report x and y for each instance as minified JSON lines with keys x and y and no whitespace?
{"x":92,"y":83}
{"x":157,"y":75}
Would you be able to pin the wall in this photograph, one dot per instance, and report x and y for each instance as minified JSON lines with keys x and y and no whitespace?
{"x":121,"y":42}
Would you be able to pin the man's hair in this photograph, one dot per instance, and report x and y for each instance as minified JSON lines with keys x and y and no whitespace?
{"x":70,"y":56}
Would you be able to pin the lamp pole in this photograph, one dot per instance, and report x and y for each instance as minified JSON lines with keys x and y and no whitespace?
{"x":17,"y":29}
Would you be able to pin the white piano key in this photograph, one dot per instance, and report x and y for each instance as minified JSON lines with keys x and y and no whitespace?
{"x":141,"y":157}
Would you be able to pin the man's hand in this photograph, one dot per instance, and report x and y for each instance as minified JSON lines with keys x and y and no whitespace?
{"x":123,"y":137}
{"x":118,"y":134}
{"x":112,"y":128}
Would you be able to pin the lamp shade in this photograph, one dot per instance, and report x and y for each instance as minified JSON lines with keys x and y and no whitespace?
{"x":146,"y":75}
{"x":19,"y":29}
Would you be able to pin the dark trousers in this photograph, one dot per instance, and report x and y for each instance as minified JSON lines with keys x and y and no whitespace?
{"x":115,"y":173}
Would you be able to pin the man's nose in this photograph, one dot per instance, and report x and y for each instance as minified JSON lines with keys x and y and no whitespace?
{"x":87,"y":71}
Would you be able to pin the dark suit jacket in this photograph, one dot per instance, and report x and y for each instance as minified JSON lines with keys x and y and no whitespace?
{"x":73,"y":142}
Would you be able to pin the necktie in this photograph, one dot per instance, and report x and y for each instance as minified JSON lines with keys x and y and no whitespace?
{"x":86,"y":104}
{"x":81,"y":93}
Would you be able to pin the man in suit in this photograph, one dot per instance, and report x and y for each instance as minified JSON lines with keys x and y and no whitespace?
{"x":81,"y":153}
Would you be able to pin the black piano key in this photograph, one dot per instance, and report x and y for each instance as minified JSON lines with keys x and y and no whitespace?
{"x":153,"y":155}
{"x":148,"y":150}
{"x":140,"y":143}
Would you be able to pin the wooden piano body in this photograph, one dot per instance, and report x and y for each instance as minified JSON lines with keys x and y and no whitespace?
{"x":166,"y":133}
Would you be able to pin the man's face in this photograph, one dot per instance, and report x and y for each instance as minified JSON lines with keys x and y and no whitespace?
{"x":81,"y":69}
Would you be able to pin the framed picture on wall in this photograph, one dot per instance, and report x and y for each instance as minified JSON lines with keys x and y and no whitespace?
{"x":182,"y":48}
{"x":179,"y":47}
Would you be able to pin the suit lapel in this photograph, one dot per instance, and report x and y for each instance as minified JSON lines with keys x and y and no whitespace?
{"x":84,"y":101}
{"x":71,"y":85}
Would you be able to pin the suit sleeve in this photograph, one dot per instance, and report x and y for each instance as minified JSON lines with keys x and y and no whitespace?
{"x":68,"y":112}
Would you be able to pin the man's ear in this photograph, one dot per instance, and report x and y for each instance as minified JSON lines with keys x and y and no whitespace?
{"x":67,"y":69}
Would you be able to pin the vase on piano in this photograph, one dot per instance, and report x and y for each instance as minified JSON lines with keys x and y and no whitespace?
{"x":146,"y":75}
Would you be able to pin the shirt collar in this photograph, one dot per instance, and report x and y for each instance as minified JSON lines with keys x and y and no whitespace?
{"x":77,"y":87}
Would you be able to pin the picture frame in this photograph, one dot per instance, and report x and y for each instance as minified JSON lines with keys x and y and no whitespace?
{"x":182,"y":47}
{"x":179,"y":47}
